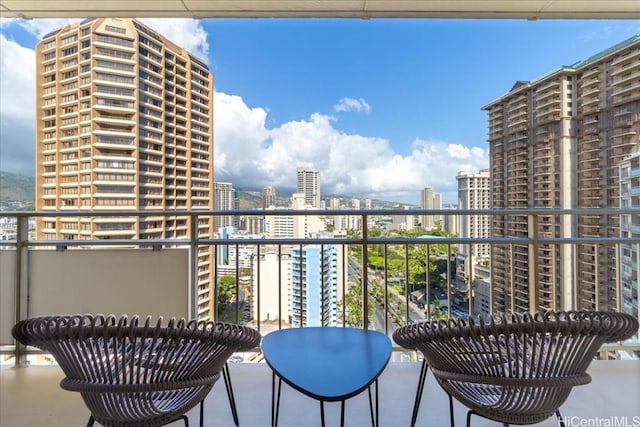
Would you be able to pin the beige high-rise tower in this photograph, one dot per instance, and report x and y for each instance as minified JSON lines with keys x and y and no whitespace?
{"x":124,"y":122}
{"x":431,"y":200}
{"x":474,"y":192}
{"x":557,"y":142}
{"x":269,"y":198}
{"x":309,"y":185}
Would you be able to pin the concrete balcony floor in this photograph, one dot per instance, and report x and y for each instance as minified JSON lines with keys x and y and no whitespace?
{"x":31,"y":396}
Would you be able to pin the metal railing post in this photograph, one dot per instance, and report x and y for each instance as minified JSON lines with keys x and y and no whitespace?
{"x":534,"y":294}
{"x":365,"y":272}
{"x":21,"y":283}
{"x":193,"y":267}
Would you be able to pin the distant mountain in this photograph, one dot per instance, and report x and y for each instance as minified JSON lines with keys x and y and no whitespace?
{"x":16,"y":190}
{"x":249,"y":199}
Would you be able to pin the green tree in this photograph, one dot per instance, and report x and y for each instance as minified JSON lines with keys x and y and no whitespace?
{"x":353,"y":304}
{"x":226,"y":289}
{"x":436,"y":311}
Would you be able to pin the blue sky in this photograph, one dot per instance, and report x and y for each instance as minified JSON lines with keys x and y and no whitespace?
{"x":382,"y":108}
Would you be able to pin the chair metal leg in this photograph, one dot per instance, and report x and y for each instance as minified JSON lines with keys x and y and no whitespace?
{"x":419,"y":391}
{"x":202,"y":413}
{"x":232,"y":401}
{"x":342,"y":413}
{"x":322,"y":413}
{"x":91,"y":421}
{"x":560,"y":419}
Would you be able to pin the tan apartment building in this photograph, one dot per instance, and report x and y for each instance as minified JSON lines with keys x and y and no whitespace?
{"x":308,"y":183}
{"x":557,"y":142}
{"x":124,"y":122}
{"x":225,"y":199}
{"x":474,"y":192}
{"x":431,"y":200}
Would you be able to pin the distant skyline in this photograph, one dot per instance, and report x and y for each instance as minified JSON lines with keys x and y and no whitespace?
{"x":381,"y":108}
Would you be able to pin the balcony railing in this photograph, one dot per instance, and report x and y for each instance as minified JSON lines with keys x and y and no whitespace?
{"x":393,"y":277}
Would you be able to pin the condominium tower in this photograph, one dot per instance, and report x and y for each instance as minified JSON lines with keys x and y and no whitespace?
{"x":474,"y":193}
{"x":269,"y":198}
{"x":225,"y":199}
{"x":124,"y":122}
{"x":557,"y":142}
{"x":431,"y":200}
{"x":309,"y":185}
{"x":630,"y":227}
{"x":314,"y":285}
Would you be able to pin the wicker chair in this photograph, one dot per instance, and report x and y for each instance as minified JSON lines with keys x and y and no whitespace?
{"x":131,"y":372}
{"x":516,"y":369}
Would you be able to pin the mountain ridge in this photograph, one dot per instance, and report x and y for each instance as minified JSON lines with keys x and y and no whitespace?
{"x":18,"y":191}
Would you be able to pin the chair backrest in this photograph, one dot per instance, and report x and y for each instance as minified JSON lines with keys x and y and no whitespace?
{"x":104,"y":355}
{"x":517,"y":346}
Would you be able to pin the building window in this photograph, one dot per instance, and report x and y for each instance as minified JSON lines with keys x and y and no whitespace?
{"x":70,"y":51}
{"x":115,"y":29}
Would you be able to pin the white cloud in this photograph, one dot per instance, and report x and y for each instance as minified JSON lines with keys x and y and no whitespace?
{"x":40,"y":27}
{"x":17,"y":107}
{"x":352,"y":104}
{"x":250,"y":155}
{"x":187,"y":33}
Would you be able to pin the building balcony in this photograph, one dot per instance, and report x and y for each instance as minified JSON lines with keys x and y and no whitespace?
{"x":540,"y":95}
{"x":627,"y":88}
{"x":590,"y":73}
{"x":43,"y":274}
{"x":252,"y":387}
{"x":626,"y":57}
{"x":587,"y":92}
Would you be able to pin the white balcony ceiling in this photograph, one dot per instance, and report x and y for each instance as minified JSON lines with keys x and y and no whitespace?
{"x":512,"y":9}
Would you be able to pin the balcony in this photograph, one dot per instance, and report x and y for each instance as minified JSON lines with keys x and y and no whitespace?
{"x":252,"y":387}
{"x":43,"y":273}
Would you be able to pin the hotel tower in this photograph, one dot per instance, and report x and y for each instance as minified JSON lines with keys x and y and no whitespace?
{"x":124,"y":122}
{"x":558,"y":142}
{"x":308,"y":183}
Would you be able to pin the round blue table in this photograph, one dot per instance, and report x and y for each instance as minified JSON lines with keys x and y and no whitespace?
{"x":329,"y":364}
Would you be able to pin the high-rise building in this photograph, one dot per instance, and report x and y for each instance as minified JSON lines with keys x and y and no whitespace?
{"x":474,"y":193}
{"x":314,"y":285}
{"x":309,"y":185}
{"x":304,"y":225}
{"x":272,"y":285}
{"x":557,"y":142}
{"x":279,"y":225}
{"x":124,"y":121}
{"x":629,"y":227}
{"x":225,"y":199}
{"x":268,"y":197}
{"x":431,"y":200}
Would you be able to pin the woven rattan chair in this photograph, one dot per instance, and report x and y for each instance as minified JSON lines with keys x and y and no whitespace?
{"x":133,"y":372}
{"x":516,"y":369}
